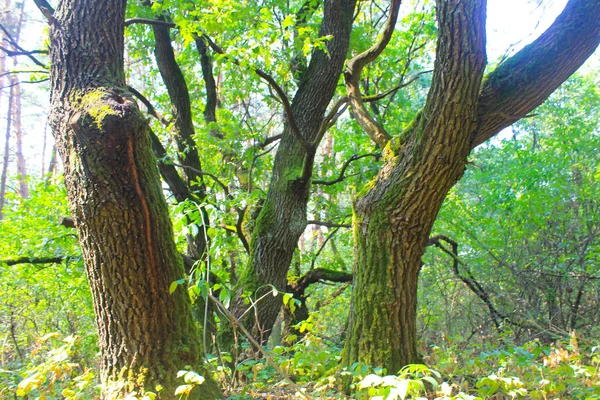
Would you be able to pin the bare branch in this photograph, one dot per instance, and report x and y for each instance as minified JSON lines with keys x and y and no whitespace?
{"x":354,"y":67}
{"x":151,"y":110}
{"x":214,"y":177}
{"x":46,"y":9}
{"x":151,"y":22}
{"x":13,"y":53}
{"x":341,"y":177}
{"x":526,"y":79}
{"x":336,"y":111}
{"x":368,"y":99}
{"x":328,"y":224}
{"x":14,"y":43}
{"x":35,"y":260}
{"x":236,"y":323}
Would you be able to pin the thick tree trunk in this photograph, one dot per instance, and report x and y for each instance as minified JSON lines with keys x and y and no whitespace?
{"x":283,"y":216}
{"x":394,"y":216}
{"x":395,"y":213}
{"x":146,"y":334}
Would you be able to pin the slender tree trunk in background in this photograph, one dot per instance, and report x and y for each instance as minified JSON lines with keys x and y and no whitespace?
{"x":21,"y":168}
{"x":282,"y":218}
{"x":52,"y":164}
{"x":146,"y":334}
{"x":394,"y":215}
{"x":6,"y":158}
{"x":183,"y":130}
{"x":14,"y":80}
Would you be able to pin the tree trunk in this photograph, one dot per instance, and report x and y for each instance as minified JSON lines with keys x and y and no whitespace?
{"x":21,"y":168}
{"x":6,"y":158}
{"x":146,"y":334}
{"x":282,"y":218}
{"x":394,"y":214}
{"x":14,"y":80}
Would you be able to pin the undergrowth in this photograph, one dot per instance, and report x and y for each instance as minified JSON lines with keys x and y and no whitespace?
{"x":564,"y":370}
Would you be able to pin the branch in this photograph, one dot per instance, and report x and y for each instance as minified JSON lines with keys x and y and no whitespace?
{"x":177,"y":185}
{"x":280,"y":93}
{"x":151,"y":22}
{"x":268,"y":141}
{"x":46,"y":9}
{"x":341,"y":177}
{"x":318,"y":253}
{"x":151,"y":110}
{"x":337,"y":110}
{"x":35,"y":260}
{"x":13,"y":53}
{"x":354,"y":67}
{"x":328,"y":224}
{"x":471,"y":283}
{"x":22,"y":50}
{"x":239,"y":231}
{"x":320,"y":275}
{"x":525,"y":80}
{"x":375,"y":97}
{"x":214,"y":177}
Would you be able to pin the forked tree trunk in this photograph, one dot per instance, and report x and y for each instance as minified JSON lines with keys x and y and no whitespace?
{"x":146,"y":334}
{"x":395,"y":213}
{"x":393,"y":218}
{"x":282,"y":218}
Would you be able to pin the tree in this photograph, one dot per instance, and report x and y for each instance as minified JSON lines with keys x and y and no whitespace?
{"x":394,"y":214}
{"x":146,"y":333}
{"x":527,"y":209}
{"x":282,"y":218}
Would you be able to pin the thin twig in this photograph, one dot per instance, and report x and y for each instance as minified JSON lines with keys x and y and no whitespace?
{"x":342,"y":175}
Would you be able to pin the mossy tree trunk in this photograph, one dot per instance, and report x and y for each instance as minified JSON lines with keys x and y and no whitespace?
{"x":394,"y":215}
{"x":282,"y":218}
{"x":146,"y":334}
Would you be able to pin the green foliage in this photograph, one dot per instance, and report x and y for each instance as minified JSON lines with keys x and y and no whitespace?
{"x":54,"y":372}
{"x":43,"y":301}
{"x":526,"y":220}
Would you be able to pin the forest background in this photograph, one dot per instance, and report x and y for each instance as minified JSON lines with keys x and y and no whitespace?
{"x":508,"y":291}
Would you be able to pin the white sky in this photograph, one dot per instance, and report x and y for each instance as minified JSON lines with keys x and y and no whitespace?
{"x":511,"y":25}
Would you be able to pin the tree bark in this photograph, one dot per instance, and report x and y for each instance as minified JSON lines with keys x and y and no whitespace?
{"x":394,"y":214}
{"x":282,"y":218}
{"x":393,"y":218}
{"x":146,"y":334}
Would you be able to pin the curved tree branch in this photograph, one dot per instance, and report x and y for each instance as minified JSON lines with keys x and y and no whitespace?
{"x":341,"y":177}
{"x":526,"y":79}
{"x":354,"y":67}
